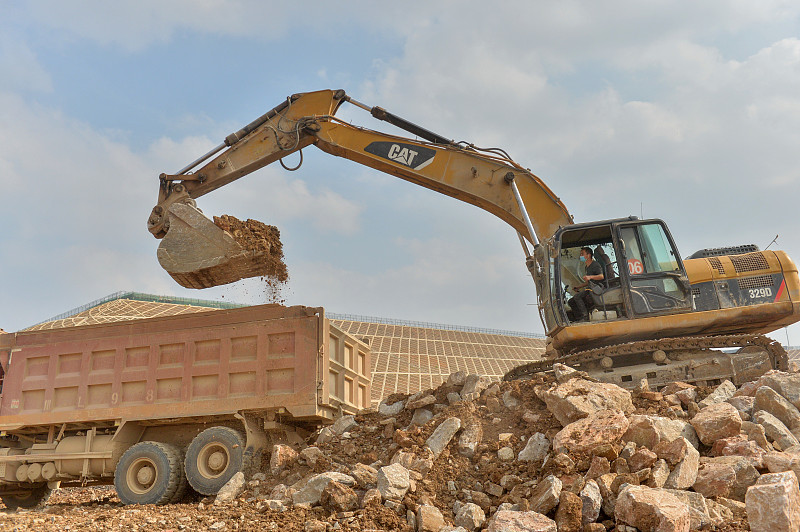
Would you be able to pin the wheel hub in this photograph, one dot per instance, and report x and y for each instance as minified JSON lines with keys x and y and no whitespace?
{"x":145,"y":475}
{"x":216,"y":461}
{"x":213,"y":460}
{"x":141,"y":476}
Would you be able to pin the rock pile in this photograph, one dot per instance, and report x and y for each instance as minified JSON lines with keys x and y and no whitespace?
{"x":561,"y":454}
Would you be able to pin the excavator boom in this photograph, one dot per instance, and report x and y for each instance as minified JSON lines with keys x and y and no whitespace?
{"x":198,"y":254}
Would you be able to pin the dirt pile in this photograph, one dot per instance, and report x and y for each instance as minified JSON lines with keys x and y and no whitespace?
{"x":560,"y":452}
{"x":264,"y":240}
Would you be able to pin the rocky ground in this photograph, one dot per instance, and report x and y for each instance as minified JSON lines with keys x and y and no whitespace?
{"x":562,"y":453}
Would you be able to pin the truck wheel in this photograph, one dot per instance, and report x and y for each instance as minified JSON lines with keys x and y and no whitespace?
{"x":29,"y":499}
{"x":213,"y":457}
{"x":149,"y":473}
{"x":183,"y":487}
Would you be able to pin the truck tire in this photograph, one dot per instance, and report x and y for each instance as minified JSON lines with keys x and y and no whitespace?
{"x":37,"y":495}
{"x":149,"y":473}
{"x":213,"y":457}
{"x":183,"y":487}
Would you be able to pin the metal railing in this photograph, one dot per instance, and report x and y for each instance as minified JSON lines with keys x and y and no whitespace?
{"x":148,"y":298}
{"x":207,"y":303}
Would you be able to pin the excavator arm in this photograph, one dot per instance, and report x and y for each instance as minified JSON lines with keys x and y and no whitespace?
{"x":198,"y":254}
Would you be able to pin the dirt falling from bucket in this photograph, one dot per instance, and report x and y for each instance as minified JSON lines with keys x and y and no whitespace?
{"x":265,"y":241}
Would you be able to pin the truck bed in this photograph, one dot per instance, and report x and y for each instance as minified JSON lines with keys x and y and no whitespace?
{"x":285,"y":360}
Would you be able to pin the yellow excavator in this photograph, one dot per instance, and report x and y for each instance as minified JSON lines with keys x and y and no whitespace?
{"x":653,"y":314}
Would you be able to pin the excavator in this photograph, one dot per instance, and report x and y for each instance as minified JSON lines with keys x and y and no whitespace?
{"x":653,"y":315}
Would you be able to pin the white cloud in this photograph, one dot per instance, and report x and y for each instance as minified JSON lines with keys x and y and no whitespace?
{"x":137,"y":24}
{"x":443,"y":279}
{"x":20,"y":67}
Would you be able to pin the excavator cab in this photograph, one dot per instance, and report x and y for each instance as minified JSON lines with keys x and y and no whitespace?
{"x":643,"y":272}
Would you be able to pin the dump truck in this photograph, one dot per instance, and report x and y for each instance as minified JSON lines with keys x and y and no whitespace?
{"x":158,"y":405}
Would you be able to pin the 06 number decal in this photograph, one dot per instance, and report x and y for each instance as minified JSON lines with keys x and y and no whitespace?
{"x":635,"y":266}
{"x":758,"y":293}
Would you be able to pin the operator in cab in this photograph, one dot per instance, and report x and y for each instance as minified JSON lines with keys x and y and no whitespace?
{"x":582,"y":301}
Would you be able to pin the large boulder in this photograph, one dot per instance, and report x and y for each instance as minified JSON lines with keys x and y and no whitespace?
{"x":393,"y":482}
{"x":343,"y":424}
{"x":716,"y":421}
{"x":511,"y":521}
{"x":337,"y":497}
{"x":780,"y":462}
{"x":568,"y":514}
{"x":775,"y":429}
{"x":546,"y":495}
{"x":602,"y":427}
{"x":536,"y":448}
{"x":642,"y":459}
{"x":591,"y":502}
{"x":715,"y":479}
{"x":412,"y":462}
{"x":698,"y":508}
{"x":659,"y":474}
{"x":743,"y":403}
{"x":773,"y":503}
{"x":651,"y":509}
{"x":579,"y":398}
{"x":685,"y":460}
{"x":232,"y":489}
{"x":746,"y":473}
{"x":473,"y":386}
{"x":366,"y":476}
{"x":470,"y":516}
{"x":771,"y":401}
{"x":786,"y":384}
{"x":470,"y":438}
{"x":648,"y":431}
{"x":721,"y":393}
{"x":391,"y":409}
{"x":442,"y":435}
{"x":429,"y":518}
{"x":312,"y":491}
{"x":282,"y":457}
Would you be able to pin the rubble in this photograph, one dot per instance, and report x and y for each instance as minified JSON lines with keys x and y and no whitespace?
{"x":721,"y":393}
{"x":520,"y":455}
{"x":773,"y":503}
{"x":652,"y":509}
{"x":231,"y":489}
{"x":601,"y":427}
{"x":769,"y":400}
{"x":775,"y":430}
{"x":579,"y":398}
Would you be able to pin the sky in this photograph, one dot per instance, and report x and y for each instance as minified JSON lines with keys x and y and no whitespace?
{"x":679,"y":110}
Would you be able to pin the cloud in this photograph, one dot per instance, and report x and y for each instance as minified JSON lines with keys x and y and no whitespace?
{"x":20,"y":67}
{"x":272,"y":196}
{"x":444,"y":279}
{"x":134,"y":25}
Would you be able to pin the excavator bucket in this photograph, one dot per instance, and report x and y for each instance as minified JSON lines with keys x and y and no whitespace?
{"x":198,"y":254}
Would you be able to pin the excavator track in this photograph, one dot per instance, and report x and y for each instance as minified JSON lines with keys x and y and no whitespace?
{"x":683,"y":349}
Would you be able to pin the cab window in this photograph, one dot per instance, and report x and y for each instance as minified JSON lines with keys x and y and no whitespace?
{"x":648,"y":250}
